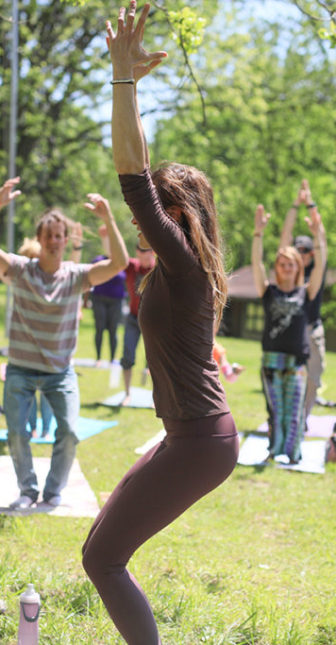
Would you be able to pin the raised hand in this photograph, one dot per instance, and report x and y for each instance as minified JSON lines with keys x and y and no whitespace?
{"x":99,"y":205}
{"x":260,"y":219}
{"x":141,"y":70}
{"x":6,"y":194}
{"x":76,"y":235}
{"x":125,"y":46}
{"x":314,"y":221}
{"x":301,"y":198}
{"x":103,"y":233}
{"x":307,"y":198}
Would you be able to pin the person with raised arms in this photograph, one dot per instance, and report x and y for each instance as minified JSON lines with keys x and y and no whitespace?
{"x":42,"y":339}
{"x":285,"y":342}
{"x":174,"y":210}
{"x":306,"y":247}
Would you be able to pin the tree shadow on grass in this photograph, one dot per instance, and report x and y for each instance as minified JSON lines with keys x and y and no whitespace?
{"x":90,"y":406}
{"x":97,"y":404}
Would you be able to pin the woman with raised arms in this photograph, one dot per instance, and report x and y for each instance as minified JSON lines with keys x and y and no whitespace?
{"x":182,"y":300}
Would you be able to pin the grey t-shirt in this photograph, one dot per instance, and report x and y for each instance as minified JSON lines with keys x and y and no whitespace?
{"x":44,"y":324}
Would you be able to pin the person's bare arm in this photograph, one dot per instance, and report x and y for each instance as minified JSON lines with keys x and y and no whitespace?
{"x":126,"y":51}
{"x":259,"y":272}
{"x":7,"y":194}
{"x":286,"y":238}
{"x":311,"y":206}
{"x":317,"y":230}
{"x":76,"y":239}
{"x":106,"y":269}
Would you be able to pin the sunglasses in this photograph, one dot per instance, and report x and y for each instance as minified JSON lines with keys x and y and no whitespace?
{"x":304,"y":250}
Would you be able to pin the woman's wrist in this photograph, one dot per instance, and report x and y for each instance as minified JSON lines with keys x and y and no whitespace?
{"x":317,"y":239}
{"x":121,"y":72}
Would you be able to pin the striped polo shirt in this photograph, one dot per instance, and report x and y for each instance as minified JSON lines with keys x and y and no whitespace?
{"x":44,"y":323}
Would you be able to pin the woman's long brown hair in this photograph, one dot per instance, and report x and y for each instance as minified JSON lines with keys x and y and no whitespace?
{"x":189,"y":189}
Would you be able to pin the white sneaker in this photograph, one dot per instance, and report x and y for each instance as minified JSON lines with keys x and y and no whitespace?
{"x":55,"y":500}
{"x":21,"y":503}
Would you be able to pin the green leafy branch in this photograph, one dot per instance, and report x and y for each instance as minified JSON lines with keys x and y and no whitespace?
{"x":323,"y":32}
{"x":187,"y":30}
{"x":329,"y":35}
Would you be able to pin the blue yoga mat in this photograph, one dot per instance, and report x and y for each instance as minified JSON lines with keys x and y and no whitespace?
{"x":85,"y":428}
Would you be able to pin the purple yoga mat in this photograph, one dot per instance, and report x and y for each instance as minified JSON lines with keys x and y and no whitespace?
{"x":318,"y":426}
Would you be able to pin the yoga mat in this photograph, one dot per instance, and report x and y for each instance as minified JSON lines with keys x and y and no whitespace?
{"x":91,"y":362}
{"x":140,"y":398}
{"x":151,"y":442}
{"x":318,"y":426}
{"x":85,"y":428}
{"x":254,"y":451}
{"x":78,"y":499}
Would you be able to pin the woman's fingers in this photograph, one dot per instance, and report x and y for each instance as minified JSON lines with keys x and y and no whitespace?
{"x":139,"y":29}
{"x":95,"y":197}
{"x":89,"y":206}
{"x":110,"y":32}
{"x":121,"y":20}
{"x":131,"y":16}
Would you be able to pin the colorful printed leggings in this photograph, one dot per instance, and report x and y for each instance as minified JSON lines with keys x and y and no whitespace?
{"x":194,"y":458}
{"x":284,"y":385}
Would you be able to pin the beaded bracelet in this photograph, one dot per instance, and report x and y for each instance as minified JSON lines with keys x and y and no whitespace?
{"x":122,"y":81}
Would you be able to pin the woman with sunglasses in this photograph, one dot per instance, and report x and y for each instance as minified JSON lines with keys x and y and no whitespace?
{"x":182,"y":299}
{"x":285,"y":338}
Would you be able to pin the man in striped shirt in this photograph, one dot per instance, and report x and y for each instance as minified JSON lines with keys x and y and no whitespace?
{"x":43,"y":334}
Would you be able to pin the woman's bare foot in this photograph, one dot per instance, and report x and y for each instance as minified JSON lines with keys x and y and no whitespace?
{"x":126,"y":400}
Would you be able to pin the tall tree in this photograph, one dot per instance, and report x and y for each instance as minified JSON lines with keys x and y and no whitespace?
{"x":269,"y":123}
{"x":63,"y":87}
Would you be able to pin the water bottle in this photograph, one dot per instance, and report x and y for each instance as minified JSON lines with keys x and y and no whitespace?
{"x":115,"y":372}
{"x":29,"y":614}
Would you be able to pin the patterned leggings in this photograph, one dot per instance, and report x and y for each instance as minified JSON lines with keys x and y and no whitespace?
{"x":195,"y":457}
{"x":284,"y":385}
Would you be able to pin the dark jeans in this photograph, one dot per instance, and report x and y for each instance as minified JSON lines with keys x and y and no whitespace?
{"x":131,"y":339}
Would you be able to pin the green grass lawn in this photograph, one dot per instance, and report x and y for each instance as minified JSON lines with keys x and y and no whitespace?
{"x":252,"y":563}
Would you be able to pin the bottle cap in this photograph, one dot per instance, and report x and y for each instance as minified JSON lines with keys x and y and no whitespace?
{"x":30,"y":595}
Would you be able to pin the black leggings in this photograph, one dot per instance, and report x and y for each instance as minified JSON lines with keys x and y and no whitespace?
{"x":194,"y":458}
{"x":107,"y":315}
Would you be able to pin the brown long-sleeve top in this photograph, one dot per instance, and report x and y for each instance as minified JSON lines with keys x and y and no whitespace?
{"x":176,"y":313}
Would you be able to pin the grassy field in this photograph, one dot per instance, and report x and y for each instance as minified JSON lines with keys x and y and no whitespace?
{"x":253,"y":563}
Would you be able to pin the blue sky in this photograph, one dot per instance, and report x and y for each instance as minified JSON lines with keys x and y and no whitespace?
{"x":260,"y":10}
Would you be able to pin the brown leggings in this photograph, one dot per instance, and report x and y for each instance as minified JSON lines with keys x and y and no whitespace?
{"x":194,"y":458}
